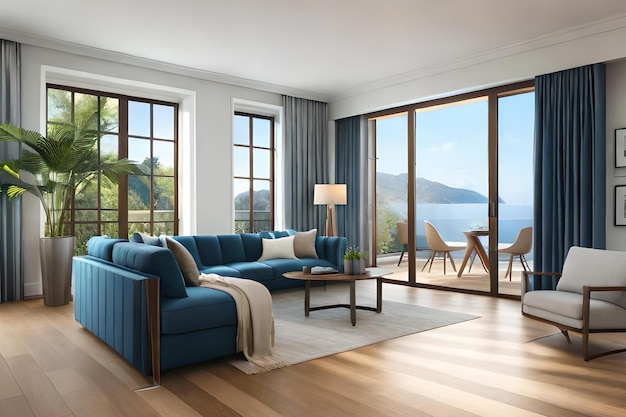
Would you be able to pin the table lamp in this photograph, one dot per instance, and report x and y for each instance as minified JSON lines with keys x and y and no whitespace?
{"x":331,"y":195}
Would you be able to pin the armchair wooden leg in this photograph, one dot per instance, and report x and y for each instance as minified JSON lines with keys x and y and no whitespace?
{"x":566,"y":334}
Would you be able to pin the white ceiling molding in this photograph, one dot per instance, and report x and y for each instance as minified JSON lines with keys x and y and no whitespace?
{"x":572,"y":34}
{"x":83,"y":50}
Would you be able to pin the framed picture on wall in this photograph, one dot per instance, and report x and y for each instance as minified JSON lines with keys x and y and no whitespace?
{"x":620,"y":147}
{"x":620,"y":205}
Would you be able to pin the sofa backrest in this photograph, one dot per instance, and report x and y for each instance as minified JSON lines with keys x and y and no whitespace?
{"x":102,"y":247}
{"x":209,"y":250}
{"x":232,"y":248}
{"x":154,"y":260}
{"x":587,"y":266}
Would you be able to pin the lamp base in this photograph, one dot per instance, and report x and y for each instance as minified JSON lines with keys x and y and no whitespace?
{"x":331,"y":221}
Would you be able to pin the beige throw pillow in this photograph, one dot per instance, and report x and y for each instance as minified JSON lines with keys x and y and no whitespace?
{"x":185,"y":261}
{"x":281,"y":248}
{"x":304,"y":244}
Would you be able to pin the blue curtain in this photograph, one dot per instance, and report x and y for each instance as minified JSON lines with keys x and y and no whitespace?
{"x":11,"y":273}
{"x":348,"y":171}
{"x":306,"y":161}
{"x":570,"y":164}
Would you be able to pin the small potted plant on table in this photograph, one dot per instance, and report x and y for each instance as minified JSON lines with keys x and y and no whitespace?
{"x":353,"y":262}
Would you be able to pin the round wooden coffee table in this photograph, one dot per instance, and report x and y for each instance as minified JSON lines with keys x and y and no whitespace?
{"x":370,"y":273}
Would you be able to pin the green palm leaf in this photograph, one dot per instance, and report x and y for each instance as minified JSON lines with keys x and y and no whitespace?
{"x":62,"y":162}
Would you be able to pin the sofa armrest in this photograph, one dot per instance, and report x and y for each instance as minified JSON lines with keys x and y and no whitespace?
{"x":529,"y":285}
{"x":334,"y":248}
{"x":118,"y":306}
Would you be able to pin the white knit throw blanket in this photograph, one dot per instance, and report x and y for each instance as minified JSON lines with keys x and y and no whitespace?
{"x":255,"y":316}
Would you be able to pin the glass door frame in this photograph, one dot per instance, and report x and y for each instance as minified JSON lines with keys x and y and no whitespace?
{"x":492,"y":94}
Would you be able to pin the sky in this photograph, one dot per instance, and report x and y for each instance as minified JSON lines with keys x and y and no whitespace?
{"x":452,"y":146}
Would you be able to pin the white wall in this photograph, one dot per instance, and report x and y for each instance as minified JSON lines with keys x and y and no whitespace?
{"x":615,"y":119}
{"x":210,"y":176}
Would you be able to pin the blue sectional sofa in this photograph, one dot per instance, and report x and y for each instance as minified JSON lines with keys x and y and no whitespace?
{"x":133,"y":295}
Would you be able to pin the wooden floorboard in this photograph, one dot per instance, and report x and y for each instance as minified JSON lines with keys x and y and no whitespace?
{"x":501,"y":364}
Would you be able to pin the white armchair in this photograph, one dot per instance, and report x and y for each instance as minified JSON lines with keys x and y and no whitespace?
{"x":590,"y":296}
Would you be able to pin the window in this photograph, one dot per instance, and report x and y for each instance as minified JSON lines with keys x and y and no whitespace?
{"x":253,"y":162}
{"x":135,"y":128}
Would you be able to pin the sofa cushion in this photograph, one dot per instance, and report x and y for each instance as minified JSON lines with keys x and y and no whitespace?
{"x":278,"y":248}
{"x":102,"y":247}
{"x":190,"y":244}
{"x":154,"y":260}
{"x":304,"y":244}
{"x":267,"y":235}
{"x":252,"y":246}
{"x":232,"y":248}
{"x":185,"y":262}
{"x":209,"y":250}
{"x":204,"y":308}
{"x":586,"y":266}
{"x":222,"y":270}
{"x":257,"y":271}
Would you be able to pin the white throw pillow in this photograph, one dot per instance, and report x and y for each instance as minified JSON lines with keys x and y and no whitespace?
{"x":304,"y":244}
{"x":278,"y":248}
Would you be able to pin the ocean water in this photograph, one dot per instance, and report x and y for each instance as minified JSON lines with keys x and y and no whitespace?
{"x":452,"y":219}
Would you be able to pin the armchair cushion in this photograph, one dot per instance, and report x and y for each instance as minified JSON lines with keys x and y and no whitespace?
{"x":586,"y":266}
{"x":566,"y":308}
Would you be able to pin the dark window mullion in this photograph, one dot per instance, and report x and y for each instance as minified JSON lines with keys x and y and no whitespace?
{"x":251,"y":188}
{"x":122,"y":205}
{"x":152,"y":178}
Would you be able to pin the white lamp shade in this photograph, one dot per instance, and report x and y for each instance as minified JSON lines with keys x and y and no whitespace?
{"x":330,"y":194}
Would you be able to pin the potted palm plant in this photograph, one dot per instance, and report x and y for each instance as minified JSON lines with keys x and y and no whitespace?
{"x":54,"y":168}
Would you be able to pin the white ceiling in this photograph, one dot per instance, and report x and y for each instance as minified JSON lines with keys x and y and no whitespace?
{"x":326,"y":48}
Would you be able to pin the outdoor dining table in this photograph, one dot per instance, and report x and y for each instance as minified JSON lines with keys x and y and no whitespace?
{"x":474,"y":245}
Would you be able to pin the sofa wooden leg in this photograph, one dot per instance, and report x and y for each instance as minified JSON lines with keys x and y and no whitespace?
{"x":566,"y":334}
{"x":154,"y":319}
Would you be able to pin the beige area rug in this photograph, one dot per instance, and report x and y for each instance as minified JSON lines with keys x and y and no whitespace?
{"x":327,"y":332}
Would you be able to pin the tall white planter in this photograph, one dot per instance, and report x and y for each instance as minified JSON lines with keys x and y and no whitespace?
{"x":56,"y":269}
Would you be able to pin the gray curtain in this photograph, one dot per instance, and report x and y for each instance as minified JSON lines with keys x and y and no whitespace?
{"x":570,"y":164}
{"x":306,"y":161}
{"x":348,"y":171}
{"x":11,"y":274}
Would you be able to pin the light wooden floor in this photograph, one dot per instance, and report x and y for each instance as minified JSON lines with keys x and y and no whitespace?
{"x":491,"y":366}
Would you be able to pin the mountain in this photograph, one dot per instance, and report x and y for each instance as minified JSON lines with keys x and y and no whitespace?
{"x":261,"y":200}
{"x":393,"y":190}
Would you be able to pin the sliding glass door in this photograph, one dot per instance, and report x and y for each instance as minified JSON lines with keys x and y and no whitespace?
{"x":452,"y":192}
{"x":464,"y":165}
{"x":515,"y":187}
